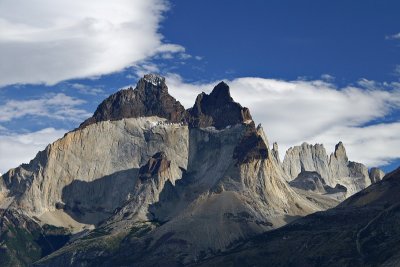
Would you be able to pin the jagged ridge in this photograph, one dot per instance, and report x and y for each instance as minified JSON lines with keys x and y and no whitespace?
{"x":149,"y":98}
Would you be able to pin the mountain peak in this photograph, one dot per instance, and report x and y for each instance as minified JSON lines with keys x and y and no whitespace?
{"x":218,"y":109}
{"x":152,"y":84}
{"x":154,"y":79}
{"x":222,"y":93}
{"x":149,"y":98}
{"x":340,"y":151}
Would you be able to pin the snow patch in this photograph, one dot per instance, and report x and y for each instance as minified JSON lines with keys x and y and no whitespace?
{"x":154,"y":79}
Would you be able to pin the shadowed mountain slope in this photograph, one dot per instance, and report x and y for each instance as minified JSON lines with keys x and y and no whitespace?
{"x":362,"y":231}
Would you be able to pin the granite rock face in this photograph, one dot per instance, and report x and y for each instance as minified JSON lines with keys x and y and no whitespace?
{"x":335,"y":169}
{"x":306,"y":158}
{"x":93,"y":170}
{"x":275,"y":152}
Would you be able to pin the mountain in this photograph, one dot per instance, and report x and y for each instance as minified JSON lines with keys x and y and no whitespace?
{"x":335,"y":169}
{"x":361,"y":231}
{"x":145,"y":181}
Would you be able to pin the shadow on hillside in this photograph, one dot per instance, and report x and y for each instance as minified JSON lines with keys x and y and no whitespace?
{"x":92,"y":202}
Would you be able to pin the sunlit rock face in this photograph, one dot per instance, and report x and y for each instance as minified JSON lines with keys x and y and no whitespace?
{"x":335,"y":169}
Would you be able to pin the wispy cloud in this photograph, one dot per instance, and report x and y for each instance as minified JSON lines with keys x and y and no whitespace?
{"x":16,"y":149}
{"x":56,"y":106}
{"x":44,"y":41}
{"x":397,"y":70}
{"x":315,"y":111}
{"x":86,"y":89}
{"x":327,"y":78}
{"x":393,"y":36}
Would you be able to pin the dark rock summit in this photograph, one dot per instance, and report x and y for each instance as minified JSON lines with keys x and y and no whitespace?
{"x":251,"y":146}
{"x":149,"y":98}
{"x":217,"y":109}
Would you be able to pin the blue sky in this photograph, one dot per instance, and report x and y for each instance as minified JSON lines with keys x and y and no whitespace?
{"x":315,"y":71}
{"x":288,"y":39}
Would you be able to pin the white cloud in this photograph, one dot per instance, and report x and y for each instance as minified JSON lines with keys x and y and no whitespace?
{"x":185,"y":56}
{"x":46,"y":41}
{"x":21,"y":148}
{"x":292,"y":112}
{"x":56,"y":106}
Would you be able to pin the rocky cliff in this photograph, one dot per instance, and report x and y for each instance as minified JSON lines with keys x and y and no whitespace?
{"x":335,"y":169}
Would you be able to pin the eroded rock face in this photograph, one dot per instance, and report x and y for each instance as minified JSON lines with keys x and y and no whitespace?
{"x":217,"y":109}
{"x":308,"y":158}
{"x":251,"y":146}
{"x":275,"y":152}
{"x":335,"y":169}
{"x":149,"y":98}
{"x":353,"y":175}
{"x":156,"y":165}
{"x":93,"y":170}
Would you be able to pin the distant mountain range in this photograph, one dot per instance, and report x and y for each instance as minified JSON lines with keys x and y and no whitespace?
{"x":145,"y":182}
